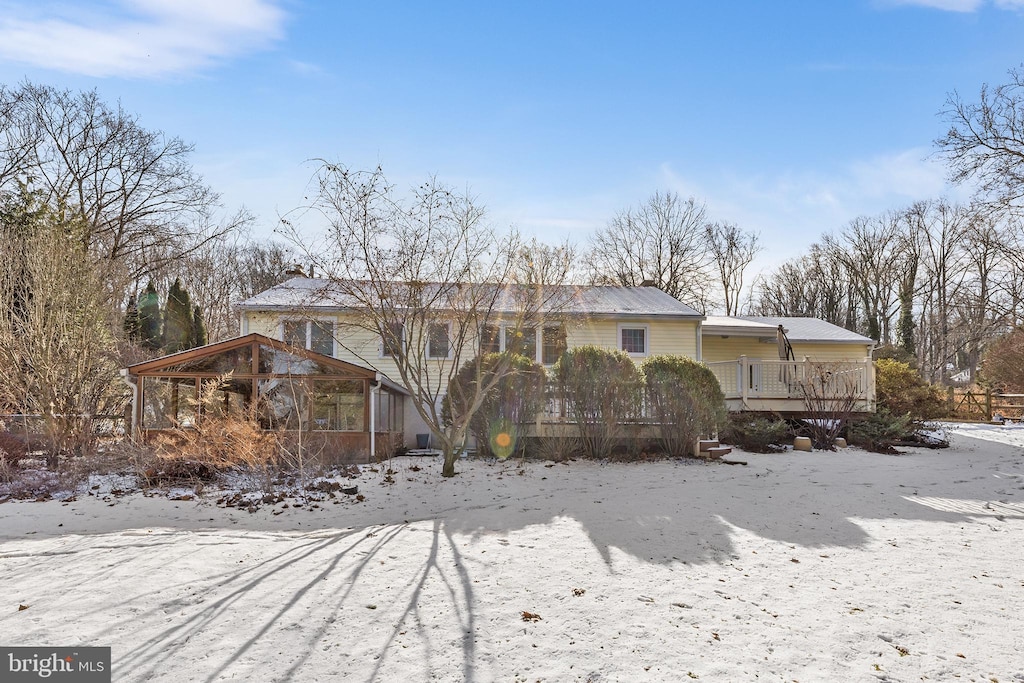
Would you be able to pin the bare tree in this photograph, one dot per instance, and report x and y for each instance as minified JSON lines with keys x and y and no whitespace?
{"x":58,"y":355}
{"x":941,"y":230}
{"x":868,"y":248}
{"x":815,"y":285}
{"x":985,"y":140}
{"x":663,"y":241}
{"x":732,"y":250}
{"x":425,"y":274}
{"x":134,"y":190}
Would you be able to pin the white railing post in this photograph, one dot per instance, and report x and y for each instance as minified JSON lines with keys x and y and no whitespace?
{"x":743,"y":378}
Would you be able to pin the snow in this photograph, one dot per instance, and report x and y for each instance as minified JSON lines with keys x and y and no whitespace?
{"x":806,"y":566}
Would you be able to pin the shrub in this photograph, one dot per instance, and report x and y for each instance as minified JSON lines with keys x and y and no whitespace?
{"x":214,"y":445}
{"x":902,"y":391}
{"x":686,"y":400}
{"x":600,"y":391}
{"x":755,"y":433}
{"x":1003,"y":364}
{"x":880,"y":431}
{"x":515,"y":398}
{"x":12,"y":448}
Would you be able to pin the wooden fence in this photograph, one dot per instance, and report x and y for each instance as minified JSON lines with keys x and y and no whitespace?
{"x":970,"y":404}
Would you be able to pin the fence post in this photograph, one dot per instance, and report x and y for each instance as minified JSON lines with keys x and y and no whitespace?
{"x":988,"y":405}
{"x":950,"y":401}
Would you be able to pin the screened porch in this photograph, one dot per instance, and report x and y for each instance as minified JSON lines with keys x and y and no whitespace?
{"x":345,"y":411}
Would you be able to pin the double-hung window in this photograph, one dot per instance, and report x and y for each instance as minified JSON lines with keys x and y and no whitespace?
{"x":633,"y":339}
{"x":315,"y":335}
{"x":392,"y":340}
{"x":439,"y":344}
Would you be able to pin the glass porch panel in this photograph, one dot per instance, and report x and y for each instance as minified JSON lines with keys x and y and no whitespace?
{"x":226,"y":398}
{"x":274,"y":362}
{"x":238,"y":361}
{"x":168,"y":402}
{"x":283,"y":403}
{"x":339,"y":405}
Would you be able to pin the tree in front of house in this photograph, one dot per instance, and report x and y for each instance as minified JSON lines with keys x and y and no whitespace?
{"x":425,"y":273}
{"x":57,"y":346}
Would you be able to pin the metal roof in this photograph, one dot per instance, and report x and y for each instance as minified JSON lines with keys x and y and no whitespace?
{"x":811,"y":330}
{"x":315,"y":293}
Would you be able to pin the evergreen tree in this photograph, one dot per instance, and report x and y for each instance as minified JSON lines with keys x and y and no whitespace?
{"x":199,"y":337}
{"x":132,"y":323}
{"x":178,"y":333}
{"x":149,"y":317}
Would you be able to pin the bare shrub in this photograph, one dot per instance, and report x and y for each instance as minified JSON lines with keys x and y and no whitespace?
{"x":554,"y":448}
{"x":214,"y":445}
{"x":831,"y":393}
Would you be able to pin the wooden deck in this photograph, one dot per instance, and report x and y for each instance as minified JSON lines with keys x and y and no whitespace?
{"x":758,"y":385}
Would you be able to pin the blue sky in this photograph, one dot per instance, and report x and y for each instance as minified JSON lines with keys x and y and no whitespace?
{"x":789,"y":118}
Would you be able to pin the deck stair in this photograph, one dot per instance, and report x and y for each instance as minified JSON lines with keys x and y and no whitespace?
{"x":710,"y":449}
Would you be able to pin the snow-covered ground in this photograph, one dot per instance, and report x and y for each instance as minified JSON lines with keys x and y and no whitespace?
{"x":842,"y":566}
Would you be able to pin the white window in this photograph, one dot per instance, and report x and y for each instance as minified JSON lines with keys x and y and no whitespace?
{"x":315,"y":335}
{"x":633,"y":339}
{"x":439,"y":340}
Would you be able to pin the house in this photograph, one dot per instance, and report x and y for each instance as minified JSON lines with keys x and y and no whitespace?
{"x":308,"y":358}
{"x":641,"y":321}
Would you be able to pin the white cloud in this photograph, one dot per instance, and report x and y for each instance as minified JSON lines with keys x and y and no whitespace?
{"x":139,"y":38}
{"x":946,"y":5}
{"x":965,"y":6}
{"x":792,"y":209}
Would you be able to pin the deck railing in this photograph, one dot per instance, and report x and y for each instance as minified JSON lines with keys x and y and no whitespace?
{"x":754,"y":378}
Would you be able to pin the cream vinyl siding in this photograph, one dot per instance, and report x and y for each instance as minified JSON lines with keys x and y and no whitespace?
{"x":830,"y":351}
{"x":267,"y":324}
{"x":665,"y":337}
{"x":360,"y":346}
{"x":717,"y":348}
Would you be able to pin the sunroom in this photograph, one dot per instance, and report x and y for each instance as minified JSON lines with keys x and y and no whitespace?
{"x":342,"y":411}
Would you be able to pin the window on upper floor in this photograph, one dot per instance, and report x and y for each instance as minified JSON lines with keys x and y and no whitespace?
{"x":392,"y":340}
{"x":315,"y":335}
{"x":553,"y":345}
{"x":439,"y":340}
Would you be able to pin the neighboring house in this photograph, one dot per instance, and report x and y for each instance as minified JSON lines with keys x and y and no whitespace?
{"x":760,"y":366}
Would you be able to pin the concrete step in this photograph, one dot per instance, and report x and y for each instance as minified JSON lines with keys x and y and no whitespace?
{"x":706,"y":444}
{"x":718,"y":451}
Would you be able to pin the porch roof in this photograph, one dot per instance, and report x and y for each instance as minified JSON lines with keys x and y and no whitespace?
{"x":167,"y":363}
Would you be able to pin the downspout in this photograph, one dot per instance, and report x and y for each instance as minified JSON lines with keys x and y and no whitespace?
{"x":126,"y":378}
{"x":700,"y":340}
{"x":374,"y":386}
